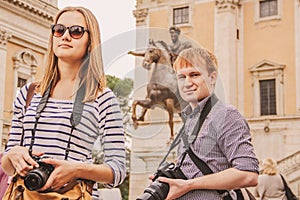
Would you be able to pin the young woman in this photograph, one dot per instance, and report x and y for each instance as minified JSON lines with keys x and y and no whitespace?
{"x":74,"y":60}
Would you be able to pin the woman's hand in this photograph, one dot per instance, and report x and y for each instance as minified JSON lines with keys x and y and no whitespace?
{"x":21,"y":161}
{"x":62,"y":174}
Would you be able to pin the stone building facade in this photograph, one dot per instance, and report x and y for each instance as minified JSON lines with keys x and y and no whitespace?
{"x":24,"y":32}
{"x":257,"y":43}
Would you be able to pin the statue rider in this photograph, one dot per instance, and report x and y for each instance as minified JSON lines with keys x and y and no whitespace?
{"x":177,"y":46}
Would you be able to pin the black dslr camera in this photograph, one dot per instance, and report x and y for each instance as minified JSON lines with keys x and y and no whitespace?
{"x":159,"y":190}
{"x":37,"y":177}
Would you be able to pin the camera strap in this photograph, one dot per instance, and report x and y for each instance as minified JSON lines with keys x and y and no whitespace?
{"x":190,"y":139}
{"x":202,"y":166}
{"x":74,"y":119}
{"x":30,"y":94}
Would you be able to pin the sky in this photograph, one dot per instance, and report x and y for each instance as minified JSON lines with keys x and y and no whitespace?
{"x":117,"y":27}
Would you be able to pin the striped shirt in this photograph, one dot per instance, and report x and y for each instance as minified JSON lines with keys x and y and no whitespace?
{"x":224,"y":141}
{"x":101,"y":120}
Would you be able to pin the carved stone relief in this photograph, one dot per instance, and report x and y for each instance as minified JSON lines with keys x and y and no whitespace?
{"x":4,"y":37}
{"x":140,"y":15}
{"x":26,"y":59}
{"x":222,"y":4}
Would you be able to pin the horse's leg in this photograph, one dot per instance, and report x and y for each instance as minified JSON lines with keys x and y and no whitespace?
{"x":142,"y":117}
{"x":145,"y":104}
{"x":133,"y":116}
{"x":148,"y":106}
{"x":170,"y":109}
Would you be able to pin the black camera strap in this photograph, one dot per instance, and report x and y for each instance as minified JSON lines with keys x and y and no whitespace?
{"x":188,"y":140}
{"x":203,"y":167}
{"x":30,"y":94}
{"x":74,"y":119}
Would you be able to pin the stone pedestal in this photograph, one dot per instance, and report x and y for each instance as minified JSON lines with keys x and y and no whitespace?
{"x":149,"y":146}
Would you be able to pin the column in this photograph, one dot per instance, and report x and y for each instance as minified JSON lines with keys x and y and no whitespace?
{"x":4,"y":37}
{"x":226,"y":25}
{"x":138,"y":172}
{"x":297,"y":53}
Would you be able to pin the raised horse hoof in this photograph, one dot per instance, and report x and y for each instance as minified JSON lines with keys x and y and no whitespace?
{"x":135,"y":125}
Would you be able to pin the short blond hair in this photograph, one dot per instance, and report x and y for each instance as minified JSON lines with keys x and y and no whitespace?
{"x":269,"y":166}
{"x":194,"y":57}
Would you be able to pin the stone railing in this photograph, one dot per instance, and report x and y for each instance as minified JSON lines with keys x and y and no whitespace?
{"x":290,"y":163}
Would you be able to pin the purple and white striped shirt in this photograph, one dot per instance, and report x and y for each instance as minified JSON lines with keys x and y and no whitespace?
{"x":100,"y":118}
{"x":223,"y":142}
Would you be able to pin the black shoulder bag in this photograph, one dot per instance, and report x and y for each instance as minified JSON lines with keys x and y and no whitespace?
{"x":288,"y":192}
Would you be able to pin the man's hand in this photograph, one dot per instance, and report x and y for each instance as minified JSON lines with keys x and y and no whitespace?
{"x":178,"y":187}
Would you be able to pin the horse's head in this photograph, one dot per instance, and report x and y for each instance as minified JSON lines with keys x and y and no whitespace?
{"x":157,"y":52}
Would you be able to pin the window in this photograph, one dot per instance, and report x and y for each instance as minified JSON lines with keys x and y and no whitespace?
{"x":21,"y":82}
{"x":181,"y":15}
{"x":267,"y":88}
{"x":267,"y":97}
{"x":268,"y":8}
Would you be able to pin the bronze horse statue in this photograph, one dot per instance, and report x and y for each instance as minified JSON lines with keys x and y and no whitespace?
{"x":162,"y":88}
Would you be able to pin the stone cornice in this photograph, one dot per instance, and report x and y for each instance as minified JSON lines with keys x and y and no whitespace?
{"x":140,"y":15}
{"x":224,"y":4}
{"x":35,"y":8}
{"x":4,"y":37}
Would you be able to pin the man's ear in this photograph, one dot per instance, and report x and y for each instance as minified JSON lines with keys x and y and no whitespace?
{"x":213,"y":77}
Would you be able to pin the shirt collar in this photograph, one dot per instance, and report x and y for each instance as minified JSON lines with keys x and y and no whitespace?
{"x":189,"y":112}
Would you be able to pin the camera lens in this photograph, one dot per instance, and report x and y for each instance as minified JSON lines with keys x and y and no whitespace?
{"x":35,"y":179}
{"x":156,"y":191}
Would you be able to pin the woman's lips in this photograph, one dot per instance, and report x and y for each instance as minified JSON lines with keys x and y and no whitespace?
{"x":65,"y":46}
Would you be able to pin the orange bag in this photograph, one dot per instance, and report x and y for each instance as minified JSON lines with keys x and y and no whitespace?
{"x":76,"y":190}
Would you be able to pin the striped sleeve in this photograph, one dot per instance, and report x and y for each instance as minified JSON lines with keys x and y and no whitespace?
{"x":111,"y":127}
{"x":18,"y":116}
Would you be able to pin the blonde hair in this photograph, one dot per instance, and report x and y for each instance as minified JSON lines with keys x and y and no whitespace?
{"x":269,"y":166}
{"x":194,"y":57}
{"x":91,"y":71}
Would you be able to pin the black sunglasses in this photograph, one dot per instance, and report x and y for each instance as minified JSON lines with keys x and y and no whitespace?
{"x":75,"y":31}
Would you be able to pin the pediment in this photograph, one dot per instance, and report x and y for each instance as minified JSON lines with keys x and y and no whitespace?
{"x":266,"y":65}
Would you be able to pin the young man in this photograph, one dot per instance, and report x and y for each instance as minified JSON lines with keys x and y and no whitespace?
{"x":223,"y":142}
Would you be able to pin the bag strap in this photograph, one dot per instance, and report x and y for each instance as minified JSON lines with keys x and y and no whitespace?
{"x":30,"y":94}
{"x":204,"y":168}
{"x":190,"y":139}
{"x":284,"y":181}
